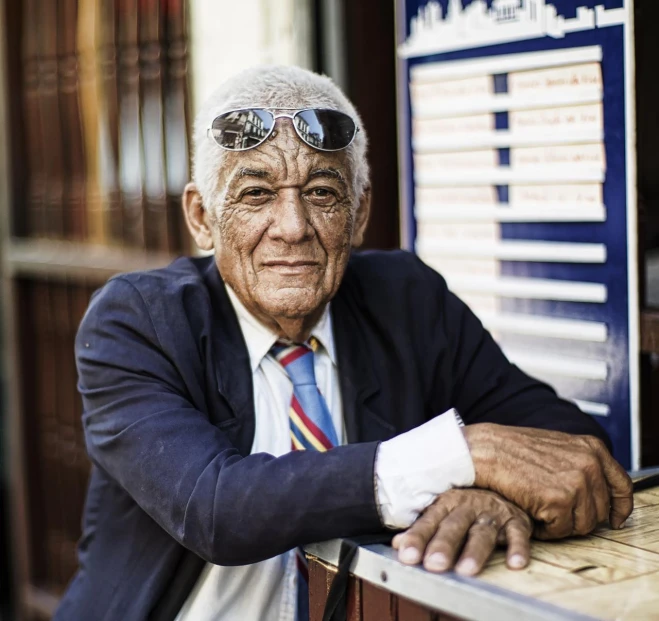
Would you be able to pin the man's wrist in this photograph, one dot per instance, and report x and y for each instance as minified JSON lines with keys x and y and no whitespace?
{"x":482,"y":442}
{"x":414,"y":467}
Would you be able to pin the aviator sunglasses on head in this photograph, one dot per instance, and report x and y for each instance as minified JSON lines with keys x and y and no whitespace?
{"x":320,"y":128}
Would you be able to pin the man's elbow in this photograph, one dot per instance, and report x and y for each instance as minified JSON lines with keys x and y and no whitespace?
{"x":227,"y":550}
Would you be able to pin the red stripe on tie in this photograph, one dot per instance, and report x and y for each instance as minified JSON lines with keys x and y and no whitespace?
{"x":311,"y":426}
{"x":293,"y":356}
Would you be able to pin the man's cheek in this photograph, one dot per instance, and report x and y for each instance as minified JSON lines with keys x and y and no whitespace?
{"x":241,"y":229}
{"x":334,"y":229}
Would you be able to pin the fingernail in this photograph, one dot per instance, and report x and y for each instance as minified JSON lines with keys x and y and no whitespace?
{"x":622,"y":525}
{"x":436,"y":562}
{"x":409,"y":555}
{"x":467,"y":567}
{"x":516,"y":561}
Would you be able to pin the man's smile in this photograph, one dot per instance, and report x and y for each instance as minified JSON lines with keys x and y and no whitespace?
{"x":289,"y":267}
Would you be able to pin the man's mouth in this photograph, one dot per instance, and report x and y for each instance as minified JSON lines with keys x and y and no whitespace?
{"x":291,"y":267}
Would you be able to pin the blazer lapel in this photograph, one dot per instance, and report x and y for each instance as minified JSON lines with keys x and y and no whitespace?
{"x":234,"y":374}
{"x":359,"y":383}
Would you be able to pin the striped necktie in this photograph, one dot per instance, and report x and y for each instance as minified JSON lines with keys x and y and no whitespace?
{"x":311,"y":429}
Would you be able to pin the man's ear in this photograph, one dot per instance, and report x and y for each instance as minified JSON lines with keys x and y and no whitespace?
{"x":196,"y":217}
{"x":361,"y":218}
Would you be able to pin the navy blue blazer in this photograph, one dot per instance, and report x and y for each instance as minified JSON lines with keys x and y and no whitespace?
{"x":166,"y":385}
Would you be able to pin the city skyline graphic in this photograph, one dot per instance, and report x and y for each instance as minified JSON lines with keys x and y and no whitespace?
{"x":433,"y":31}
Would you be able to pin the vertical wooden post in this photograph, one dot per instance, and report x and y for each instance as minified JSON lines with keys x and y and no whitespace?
{"x":318,"y":589}
{"x":377,"y":604}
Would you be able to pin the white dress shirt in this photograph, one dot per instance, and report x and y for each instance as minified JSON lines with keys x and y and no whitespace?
{"x":410,"y":471}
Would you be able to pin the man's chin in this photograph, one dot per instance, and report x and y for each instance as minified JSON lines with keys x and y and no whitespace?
{"x":294,"y":302}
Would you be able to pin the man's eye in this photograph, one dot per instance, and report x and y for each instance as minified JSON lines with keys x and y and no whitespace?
{"x":255,"y":193}
{"x":256,"y":196}
{"x":322,"y":194}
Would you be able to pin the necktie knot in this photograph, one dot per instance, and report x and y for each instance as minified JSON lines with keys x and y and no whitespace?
{"x":297,"y":360}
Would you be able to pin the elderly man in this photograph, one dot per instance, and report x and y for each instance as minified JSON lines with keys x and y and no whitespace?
{"x":286,"y":390}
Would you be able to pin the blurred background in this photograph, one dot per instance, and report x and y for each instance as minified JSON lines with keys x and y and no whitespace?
{"x":96,"y":103}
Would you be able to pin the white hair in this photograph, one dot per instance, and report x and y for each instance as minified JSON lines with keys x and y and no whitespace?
{"x":271,"y":87}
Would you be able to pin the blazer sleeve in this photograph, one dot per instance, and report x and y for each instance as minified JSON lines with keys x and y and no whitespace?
{"x":142,"y":429}
{"x":486,"y":387}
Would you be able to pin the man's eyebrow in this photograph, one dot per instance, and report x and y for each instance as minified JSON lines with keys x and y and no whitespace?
{"x":260,"y":173}
{"x":332,"y":173}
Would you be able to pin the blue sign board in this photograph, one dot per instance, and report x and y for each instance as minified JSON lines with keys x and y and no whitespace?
{"x":516,"y":140}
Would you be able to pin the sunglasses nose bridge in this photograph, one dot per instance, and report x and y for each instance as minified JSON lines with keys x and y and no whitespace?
{"x":284,"y":115}
{"x":283,"y":118}
{"x":287,"y":120}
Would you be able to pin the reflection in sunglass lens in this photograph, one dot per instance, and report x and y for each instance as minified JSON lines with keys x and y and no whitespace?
{"x":325,"y":129}
{"x":242,"y":129}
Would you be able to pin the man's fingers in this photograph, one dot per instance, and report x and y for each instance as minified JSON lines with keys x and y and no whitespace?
{"x":621,"y":509}
{"x":601,"y":499}
{"x":413,"y":541}
{"x":444,"y":546}
{"x":622,"y":491}
{"x":555,"y":521}
{"x":480,"y":544}
{"x":585,"y":512}
{"x":518,"y":536}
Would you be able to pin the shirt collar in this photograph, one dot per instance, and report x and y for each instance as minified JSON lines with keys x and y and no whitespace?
{"x":325,"y":334}
{"x":260,"y":339}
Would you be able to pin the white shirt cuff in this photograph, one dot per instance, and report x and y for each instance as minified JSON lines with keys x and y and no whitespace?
{"x":412,"y":469}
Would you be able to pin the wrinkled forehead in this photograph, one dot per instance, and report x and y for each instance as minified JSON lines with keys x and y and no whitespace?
{"x":284,"y":158}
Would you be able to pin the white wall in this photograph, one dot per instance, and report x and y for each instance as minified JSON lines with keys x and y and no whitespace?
{"x":229,"y":35}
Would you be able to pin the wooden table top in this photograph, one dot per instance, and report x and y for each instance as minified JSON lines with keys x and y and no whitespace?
{"x":609,"y":575}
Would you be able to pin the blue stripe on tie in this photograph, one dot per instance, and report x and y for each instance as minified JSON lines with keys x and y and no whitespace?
{"x":302,"y":613}
{"x":301,"y":371}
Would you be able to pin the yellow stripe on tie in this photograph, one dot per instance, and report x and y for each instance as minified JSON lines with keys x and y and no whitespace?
{"x":314,"y":344}
{"x":305,"y":431}
{"x":296,"y":443}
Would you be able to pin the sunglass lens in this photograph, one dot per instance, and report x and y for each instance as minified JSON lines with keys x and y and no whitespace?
{"x":325,"y":129}
{"x":242,"y":129}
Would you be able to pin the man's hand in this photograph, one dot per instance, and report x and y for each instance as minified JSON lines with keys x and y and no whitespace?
{"x":568,"y":484}
{"x":482,"y":518}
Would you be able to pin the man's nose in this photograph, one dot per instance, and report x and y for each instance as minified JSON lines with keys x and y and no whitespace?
{"x":290,"y":219}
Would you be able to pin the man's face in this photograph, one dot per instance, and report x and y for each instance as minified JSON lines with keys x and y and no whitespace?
{"x":284,"y":228}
